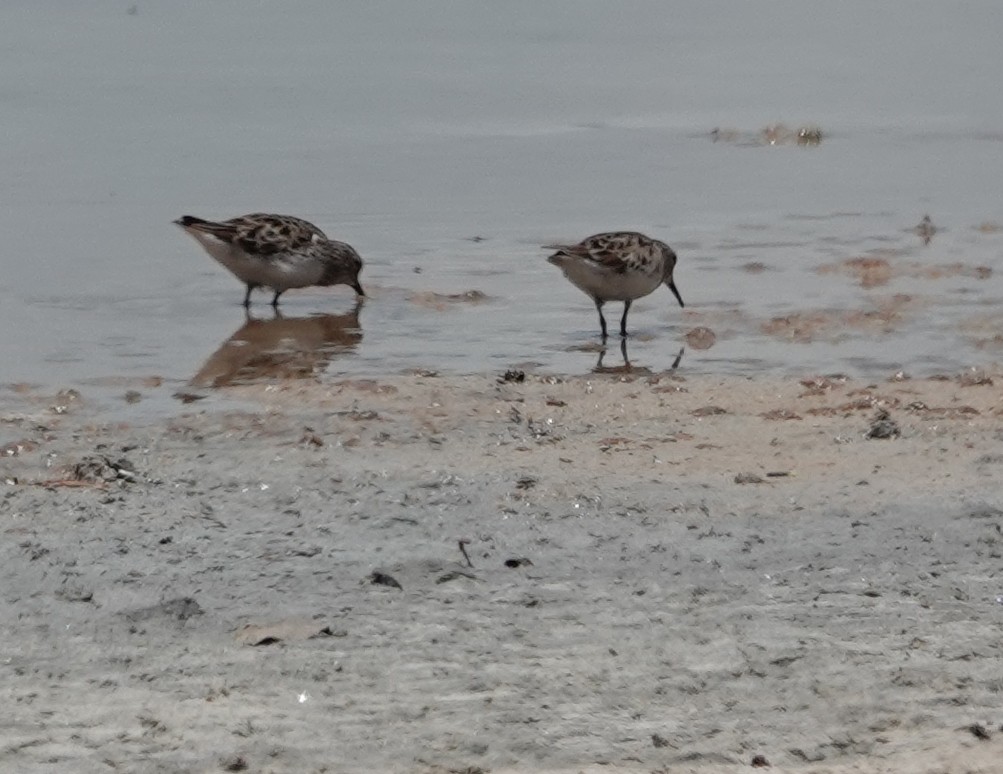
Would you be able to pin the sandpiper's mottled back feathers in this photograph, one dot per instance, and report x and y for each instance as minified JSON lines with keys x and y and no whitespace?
{"x":617,"y":250}
{"x":259,"y":233}
{"x":276,"y":251}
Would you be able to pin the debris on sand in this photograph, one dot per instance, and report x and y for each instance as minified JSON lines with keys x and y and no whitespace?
{"x":290,"y":630}
{"x":980,"y":732}
{"x":807,"y":135}
{"x":820,"y":385}
{"x":708,"y":411}
{"x":780,"y":415}
{"x":101,"y":468}
{"x":463,"y":543}
{"x":378,"y":578}
{"x":883,"y":427}
{"x":975,"y":377}
{"x":512,"y":375}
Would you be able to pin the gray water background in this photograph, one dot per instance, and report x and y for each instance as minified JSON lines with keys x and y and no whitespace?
{"x":409,"y":128}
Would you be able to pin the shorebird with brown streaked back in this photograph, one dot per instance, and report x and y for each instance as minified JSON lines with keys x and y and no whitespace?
{"x":617,"y":266}
{"x":276,"y":251}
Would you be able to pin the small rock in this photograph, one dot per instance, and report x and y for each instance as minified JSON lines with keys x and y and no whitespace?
{"x":188,"y":397}
{"x":310,"y":438}
{"x":233,"y":763}
{"x":810,"y":135}
{"x":780,"y":414}
{"x":75,"y":594}
{"x":708,"y":411}
{"x":980,"y":732}
{"x":512,"y":375}
{"x":883,"y":427}
{"x":382,"y":579}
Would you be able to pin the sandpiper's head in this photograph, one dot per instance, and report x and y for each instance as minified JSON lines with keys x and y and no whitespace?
{"x":353,"y":278}
{"x":356,"y":286}
{"x":342,"y":264}
{"x":668,"y":265}
{"x":350,"y":277}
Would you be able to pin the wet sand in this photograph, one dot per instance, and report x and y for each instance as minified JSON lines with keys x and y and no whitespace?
{"x":666,"y":573}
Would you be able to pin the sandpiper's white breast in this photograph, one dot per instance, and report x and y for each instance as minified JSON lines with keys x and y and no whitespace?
{"x":608,"y":284}
{"x":280,"y":271}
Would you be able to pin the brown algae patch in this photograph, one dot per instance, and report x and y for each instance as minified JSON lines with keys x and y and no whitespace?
{"x":440,"y":302}
{"x":700,"y":338}
{"x":878,"y":269}
{"x":886,"y":316}
{"x":869,"y":272}
{"x":944,"y":270}
{"x":984,"y":331}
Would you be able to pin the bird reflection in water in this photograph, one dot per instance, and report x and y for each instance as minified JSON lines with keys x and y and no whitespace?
{"x":627,"y":367}
{"x":280,"y":348}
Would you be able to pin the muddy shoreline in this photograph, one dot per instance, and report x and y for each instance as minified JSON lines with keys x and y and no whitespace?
{"x":666,"y":574}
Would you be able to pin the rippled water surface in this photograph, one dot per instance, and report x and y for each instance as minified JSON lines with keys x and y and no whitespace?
{"x":447,"y":141}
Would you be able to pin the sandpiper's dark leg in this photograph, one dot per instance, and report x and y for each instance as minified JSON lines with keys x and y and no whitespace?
{"x":623,"y":320}
{"x":602,"y":320}
{"x":247,"y":296}
{"x":275,"y":298}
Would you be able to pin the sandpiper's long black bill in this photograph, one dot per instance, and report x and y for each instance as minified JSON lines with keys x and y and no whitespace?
{"x":675,"y":292}
{"x":358,"y":289}
{"x":188,"y":220}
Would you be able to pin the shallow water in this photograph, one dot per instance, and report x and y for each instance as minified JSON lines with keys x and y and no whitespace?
{"x":409,"y":129}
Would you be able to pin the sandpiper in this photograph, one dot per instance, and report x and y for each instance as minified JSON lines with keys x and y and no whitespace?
{"x":276,"y":251}
{"x":617,"y":266}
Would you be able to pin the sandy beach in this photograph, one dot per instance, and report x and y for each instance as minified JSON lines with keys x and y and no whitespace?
{"x":666,"y":573}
